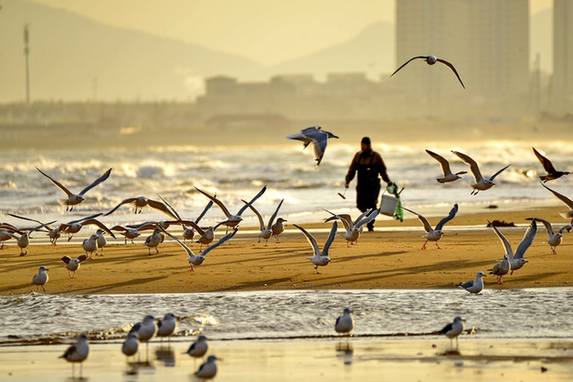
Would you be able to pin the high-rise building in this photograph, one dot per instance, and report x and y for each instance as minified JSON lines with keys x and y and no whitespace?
{"x":562,"y":82}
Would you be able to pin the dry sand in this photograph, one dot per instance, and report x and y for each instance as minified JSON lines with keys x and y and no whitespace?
{"x":380,"y":260}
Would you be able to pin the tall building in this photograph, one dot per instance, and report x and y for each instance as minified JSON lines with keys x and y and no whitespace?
{"x":562,"y":82}
{"x":487,"y":41}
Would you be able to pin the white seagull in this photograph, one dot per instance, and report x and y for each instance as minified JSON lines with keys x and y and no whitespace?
{"x":435,"y":234}
{"x":166,"y":326}
{"x":447,"y":175}
{"x":208,"y":370}
{"x":41,"y":277}
{"x":153,"y":240}
{"x":344,"y":324}
{"x":232,"y":220}
{"x":73,"y":264}
{"x":90,"y":245}
{"x":554,"y":239}
{"x":77,"y":353}
{"x":453,"y":330}
{"x":568,"y":202}
{"x":198,"y":348}
{"x":473,"y":286}
{"x":353,"y":228}
{"x":196,"y":260}
{"x":141,"y":201}
{"x":431,"y":60}
{"x":481,"y":183}
{"x":316,"y":136}
{"x":319,"y":258}
{"x":265,"y":231}
{"x":513,"y":261}
{"x":75,"y":199}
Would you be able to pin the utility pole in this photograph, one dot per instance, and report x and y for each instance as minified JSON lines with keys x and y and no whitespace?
{"x":27,"y":58}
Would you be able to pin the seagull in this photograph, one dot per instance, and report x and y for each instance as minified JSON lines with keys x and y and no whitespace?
{"x":208,"y":370}
{"x":53,"y":233}
{"x":431,"y":60}
{"x":513,"y":261}
{"x":206,"y":234}
{"x":6,"y":234}
{"x":90,"y":245}
{"x":128,"y":233}
{"x":266,"y":231}
{"x":344,"y":324}
{"x":189,"y":232}
{"x":166,"y":326}
{"x":75,"y":226}
{"x":154,"y":240}
{"x":77,"y":353}
{"x":23,"y":240}
{"x":500,"y":269}
{"x":278,"y":228}
{"x":141,"y":201}
{"x":232,"y":220}
{"x":481,"y":183}
{"x":316,"y":136}
{"x":196,"y":260}
{"x":353,"y":228}
{"x":75,"y":199}
{"x":130,"y":345}
{"x":101,"y":240}
{"x":473,"y":286}
{"x":552,"y":173}
{"x":453,"y":330}
{"x":564,"y":199}
{"x":198,"y":348}
{"x":448,"y":176}
{"x":435,"y":234}
{"x":145,"y":331}
{"x":41,"y":277}
{"x":320,"y":258}
{"x":72,"y":265}
{"x":553,"y":238}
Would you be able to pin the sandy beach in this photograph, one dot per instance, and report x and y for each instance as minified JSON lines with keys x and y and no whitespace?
{"x":384,"y":259}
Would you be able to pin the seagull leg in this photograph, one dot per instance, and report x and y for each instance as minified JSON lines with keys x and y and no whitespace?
{"x":553,"y":250}
{"x":156,"y":250}
{"x":437,"y":245}
{"x":424,"y":246}
{"x":316,"y":269}
{"x":43,"y":289}
{"x":457,"y":344}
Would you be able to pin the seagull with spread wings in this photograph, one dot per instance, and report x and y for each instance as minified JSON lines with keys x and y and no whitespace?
{"x":265,"y":231}
{"x":481,"y":183}
{"x":353,"y":228}
{"x":568,"y":202}
{"x":447,"y":176}
{"x":431,"y":60}
{"x":316,"y":136}
{"x":73,"y":264}
{"x":75,"y":226}
{"x":319,"y":258}
{"x":189,"y":229}
{"x":141,"y":201}
{"x":552,"y":173}
{"x":435,"y":234}
{"x":75,"y":199}
{"x":554,"y":238}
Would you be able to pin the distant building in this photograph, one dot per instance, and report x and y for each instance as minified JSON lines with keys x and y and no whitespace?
{"x":562,"y":82}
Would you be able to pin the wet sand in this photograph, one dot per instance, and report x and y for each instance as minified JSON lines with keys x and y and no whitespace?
{"x":319,"y":360}
{"x":387,"y":259}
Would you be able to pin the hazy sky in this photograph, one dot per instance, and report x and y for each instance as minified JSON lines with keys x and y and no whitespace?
{"x":282,"y":29}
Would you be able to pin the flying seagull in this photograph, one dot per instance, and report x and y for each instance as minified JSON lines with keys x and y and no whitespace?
{"x":568,"y":202}
{"x":481,"y":183}
{"x":265,"y":231}
{"x":553,"y":238}
{"x":319,"y":258}
{"x":353,"y":228}
{"x":552,"y":173}
{"x":513,"y":261}
{"x":431,"y":60}
{"x":316,"y":136}
{"x":448,"y":176}
{"x":141,"y":201}
{"x":435,"y":234}
{"x":75,"y":199}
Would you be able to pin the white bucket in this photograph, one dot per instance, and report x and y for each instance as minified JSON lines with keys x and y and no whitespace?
{"x":388,"y":205}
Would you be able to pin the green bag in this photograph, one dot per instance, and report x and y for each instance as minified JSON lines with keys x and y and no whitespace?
{"x":393,"y":190}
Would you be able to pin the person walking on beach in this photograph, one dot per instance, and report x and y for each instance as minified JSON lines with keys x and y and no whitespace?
{"x":369,"y":165}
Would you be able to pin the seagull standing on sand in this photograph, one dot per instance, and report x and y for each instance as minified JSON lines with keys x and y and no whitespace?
{"x":130,"y":345}
{"x":435,"y":234}
{"x":266,"y":231}
{"x":153,"y":240}
{"x":198,"y":348}
{"x":481,"y":183}
{"x":568,"y":202}
{"x":24,"y":239}
{"x":77,"y":353}
{"x":196,"y":260}
{"x":344,"y":324}
{"x":232,"y":220}
{"x":101,"y":241}
{"x":353,"y":228}
{"x":72,"y":265}
{"x":447,"y":175}
{"x":41,"y":277}
{"x":127,"y":232}
{"x":316,"y":136}
{"x":473,"y":286}
{"x":553,"y":238}
{"x":319,"y":258}
{"x":208,"y":370}
{"x":166,"y":326}
{"x":453,"y":330}
{"x":90,"y":245}
{"x":6,"y":235}
{"x":141,"y":201}
{"x":75,"y":199}
{"x":278,"y":228}
{"x":431,"y":60}
{"x":53,"y":233}
{"x":552,"y":173}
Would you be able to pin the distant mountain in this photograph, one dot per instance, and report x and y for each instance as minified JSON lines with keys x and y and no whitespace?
{"x":372,"y":51}
{"x":74,"y":57}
